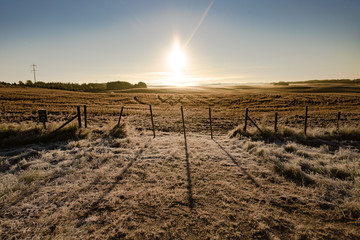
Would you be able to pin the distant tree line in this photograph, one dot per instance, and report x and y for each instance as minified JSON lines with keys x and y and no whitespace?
{"x":85,"y":87}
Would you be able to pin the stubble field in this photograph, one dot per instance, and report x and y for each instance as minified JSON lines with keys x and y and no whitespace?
{"x":121,"y":183}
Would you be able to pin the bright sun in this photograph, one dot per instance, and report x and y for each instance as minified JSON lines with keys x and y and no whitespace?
{"x":177,"y":59}
{"x":177,"y":62}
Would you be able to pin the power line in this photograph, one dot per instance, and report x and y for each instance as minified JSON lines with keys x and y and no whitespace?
{"x":33,"y":70}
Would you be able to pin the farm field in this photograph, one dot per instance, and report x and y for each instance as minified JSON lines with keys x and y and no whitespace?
{"x":121,"y":183}
{"x":19,"y":105}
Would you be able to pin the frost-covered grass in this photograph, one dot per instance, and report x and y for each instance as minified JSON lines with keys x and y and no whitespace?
{"x":24,"y":166}
{"x":323,"y":153}
{"x":327,"y":162}
{"x":139,"y":187}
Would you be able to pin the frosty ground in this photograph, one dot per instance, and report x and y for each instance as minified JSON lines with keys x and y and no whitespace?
{"x":146,"y":188}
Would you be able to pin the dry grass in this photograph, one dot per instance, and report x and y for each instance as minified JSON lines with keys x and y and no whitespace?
{"x":23,"y":134}
{"x":315,"y":137}
{"x":325,"y":162}
{"x":228,"y":107}
{"x":109,"y":182}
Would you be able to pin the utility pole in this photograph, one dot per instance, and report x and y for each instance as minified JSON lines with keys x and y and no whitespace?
{"x":33,"y":70}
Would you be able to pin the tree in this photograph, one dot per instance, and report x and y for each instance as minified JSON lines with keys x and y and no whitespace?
{"x":118,"y":85}
{"x":140,"y":85}
{"x":29,"y":83}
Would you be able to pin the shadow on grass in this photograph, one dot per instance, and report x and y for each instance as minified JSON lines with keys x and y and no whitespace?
{"x":95,"y":205}
{"x":12,"y":137}
{"x":188,"y":173}
{"x":238,"y":165}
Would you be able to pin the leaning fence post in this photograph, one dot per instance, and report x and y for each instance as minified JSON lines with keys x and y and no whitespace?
{"x":211,"y":131}
{"x":122,"y":108}
{"x":338,"y":121}
{"x":306,"y":119}
{"x":276,"y":121}
{"x":79,"y":116}
{"x":85,"y":116}
{"x":69,"y":121}
{"x":246,"y":118}
{"x":253,"y":122}
{"x":183,"y":121}
{"x":152,"y":120}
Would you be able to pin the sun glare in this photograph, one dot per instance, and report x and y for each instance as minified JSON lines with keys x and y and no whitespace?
{"x":177,"y":63}
{"x":177,"y":59}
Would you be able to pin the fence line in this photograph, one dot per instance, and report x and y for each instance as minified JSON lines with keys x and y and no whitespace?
{"x":247,"y":118}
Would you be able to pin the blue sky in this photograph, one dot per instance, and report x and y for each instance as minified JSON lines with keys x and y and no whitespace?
{"x":238,"y":41}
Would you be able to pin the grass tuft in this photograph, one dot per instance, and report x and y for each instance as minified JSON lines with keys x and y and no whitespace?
{"x":118,"y":131}
{"x":347,"y":133}
{"x":294,"y":174}
{"x":12,"y":185}
{"x":342,"y":174}
{"x":30,"y":176}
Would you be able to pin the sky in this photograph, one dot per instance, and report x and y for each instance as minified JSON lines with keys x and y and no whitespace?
{"x":187,"y":42}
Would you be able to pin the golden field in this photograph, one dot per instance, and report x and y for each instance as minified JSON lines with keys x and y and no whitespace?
{"x":107,"y":182}
{"x":228,"y":106}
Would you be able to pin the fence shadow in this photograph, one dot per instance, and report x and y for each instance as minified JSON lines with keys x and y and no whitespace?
{"x":238,"y":165}
{"x":118,"y":178}
{"x":188,"y":173}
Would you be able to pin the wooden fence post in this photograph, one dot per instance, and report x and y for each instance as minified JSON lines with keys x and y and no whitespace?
{"x":79,"y":116}
{"x":85,"y":116}
{"x":246,"y":118}
{"x":211,"y":131}
{"x":306,"y":119}
{"x":183,"y":121}
{"x":43,"y":116}
{"x":122,"y":108}
{"x":276,"y":121}
{"x":338,"y":121}
{"x":152,"y":120}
